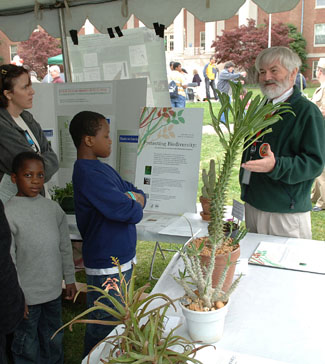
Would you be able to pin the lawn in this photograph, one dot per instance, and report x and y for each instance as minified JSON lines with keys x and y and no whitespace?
{"x":211,"y":148}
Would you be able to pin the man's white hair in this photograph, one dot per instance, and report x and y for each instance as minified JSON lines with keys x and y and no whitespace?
{"x":287,"y":58}
{"x":55,"y":68}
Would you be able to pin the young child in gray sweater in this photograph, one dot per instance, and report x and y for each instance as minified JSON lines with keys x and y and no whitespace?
{"x":42,"y":252}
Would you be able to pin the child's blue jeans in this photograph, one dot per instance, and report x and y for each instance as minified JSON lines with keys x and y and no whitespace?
{"x":179,"y":101}
{"x":32,"y":342}
{"x":95,"y":333}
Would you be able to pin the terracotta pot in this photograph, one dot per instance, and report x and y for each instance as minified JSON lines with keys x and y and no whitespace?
{"x":205,"y":213}
{"x":220,"y":263}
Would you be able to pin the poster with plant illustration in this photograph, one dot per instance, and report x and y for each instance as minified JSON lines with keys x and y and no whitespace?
{"x":168,"y":162}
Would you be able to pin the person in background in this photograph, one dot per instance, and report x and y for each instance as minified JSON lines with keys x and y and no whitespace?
{"x":186,"y":81}
{"x":197,"y":79}
{"x":32,"y":74}
{"x":42,"y":252}
{"x":279,"y":169}
{"x":19,"y":131}
{"x":107,"y":209}
{"x":33,"y":77}
{"x":176,"y":75}
{"x":55,"y":74}
{"x":318,"y":192}
{"x":12,"y":301}
{"x":48,"y":78}
{"x":300,"y":81}
{"x":171,"y":63}
{"x":226,"y":75}
{"x":210,"y":73}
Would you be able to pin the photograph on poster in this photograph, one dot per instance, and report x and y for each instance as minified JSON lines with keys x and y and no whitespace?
{"x":169,"y":152}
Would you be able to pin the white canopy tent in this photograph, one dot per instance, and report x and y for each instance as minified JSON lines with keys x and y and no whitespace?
{"x":18,"y":18}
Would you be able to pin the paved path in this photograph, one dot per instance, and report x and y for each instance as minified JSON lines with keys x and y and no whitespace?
{"x":208,"y":129}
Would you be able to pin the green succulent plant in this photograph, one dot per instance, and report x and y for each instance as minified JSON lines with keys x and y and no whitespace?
{"x":209,"y":180}
{"x":142,"y":339}
{"x":238,"y":136}
{"x":59,"y":193}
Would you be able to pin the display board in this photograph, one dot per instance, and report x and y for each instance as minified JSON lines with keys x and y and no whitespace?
{"x":169,"y":158}
{"x":119,"y":101}
{"x":140,"y":53}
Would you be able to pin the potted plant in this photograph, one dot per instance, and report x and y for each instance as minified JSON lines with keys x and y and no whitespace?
{"x":141,"y":338}
{"x":210,"y":261}
{"x":64,"y":197}
{"x":207,"y":190}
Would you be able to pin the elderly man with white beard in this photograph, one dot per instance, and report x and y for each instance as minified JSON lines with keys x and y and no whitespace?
{"x":279,"y":169}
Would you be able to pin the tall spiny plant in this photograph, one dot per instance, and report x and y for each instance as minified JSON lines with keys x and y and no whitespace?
{"x":258,"y":117}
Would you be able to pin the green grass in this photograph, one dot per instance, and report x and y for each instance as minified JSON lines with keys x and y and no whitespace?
{"x":211,"y":148}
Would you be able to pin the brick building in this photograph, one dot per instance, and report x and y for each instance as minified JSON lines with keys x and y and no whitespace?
{"x":8,"y":49}
{"x":309,"y":18}
{"x":188,"y":40}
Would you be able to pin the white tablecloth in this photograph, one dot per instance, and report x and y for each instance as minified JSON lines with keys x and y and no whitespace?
{"x":274,"y":313}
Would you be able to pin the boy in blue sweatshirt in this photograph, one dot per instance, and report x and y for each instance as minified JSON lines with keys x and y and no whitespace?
{"x":107,"y":209}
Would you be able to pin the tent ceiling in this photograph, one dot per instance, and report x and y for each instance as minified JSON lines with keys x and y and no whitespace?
{"x":18,"y":18}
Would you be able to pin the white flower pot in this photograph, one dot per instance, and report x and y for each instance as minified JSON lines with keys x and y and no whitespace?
{"x":205,"y":326}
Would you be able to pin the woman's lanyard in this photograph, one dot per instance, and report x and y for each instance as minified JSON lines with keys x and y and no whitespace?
{"x":31,"y":142}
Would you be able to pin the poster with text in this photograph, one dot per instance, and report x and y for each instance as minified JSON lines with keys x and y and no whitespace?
{"x":127,"y":145}
{"x":120,"y":102}
{"x":169,"y":158}
{"x":140,"y":53}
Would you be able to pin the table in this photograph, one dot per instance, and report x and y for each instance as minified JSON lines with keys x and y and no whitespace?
{"x":274,"y":313}
{"x":148,"y":230}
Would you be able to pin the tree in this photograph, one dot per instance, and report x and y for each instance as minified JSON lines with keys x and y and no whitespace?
{"x":242,"y":44}
{"x":298,"y":45}
{"x":37,"y":49}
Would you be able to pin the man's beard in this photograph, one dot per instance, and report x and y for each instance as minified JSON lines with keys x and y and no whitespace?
{"x":277,"y":91}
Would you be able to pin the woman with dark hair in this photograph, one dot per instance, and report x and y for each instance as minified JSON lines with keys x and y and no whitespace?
{"x":19,"y":131}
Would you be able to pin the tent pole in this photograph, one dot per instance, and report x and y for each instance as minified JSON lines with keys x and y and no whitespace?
{"x":65,"y":53}
{"x":270,"y":31}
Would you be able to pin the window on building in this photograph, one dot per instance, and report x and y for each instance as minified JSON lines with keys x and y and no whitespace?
{"x":319,"y":35}
{"x":169,"y":42}
{"x":13,"y":51}
{"x":314,"y":70}
{"x":320,"y":3}
{"x":202,"y":39}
